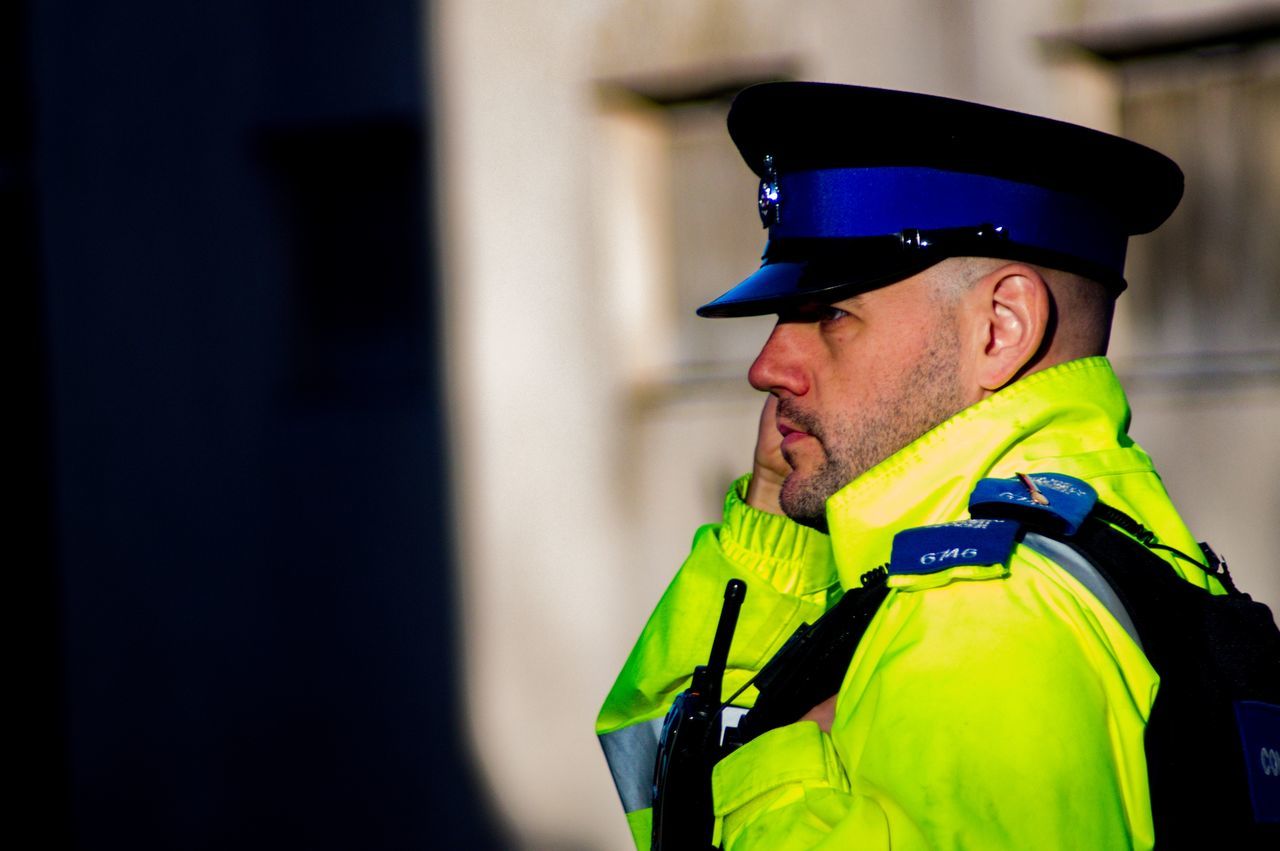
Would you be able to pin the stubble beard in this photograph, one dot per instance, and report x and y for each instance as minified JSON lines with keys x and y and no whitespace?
{"x":928,"y":395}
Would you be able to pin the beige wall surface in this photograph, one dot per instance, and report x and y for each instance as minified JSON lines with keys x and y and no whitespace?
{"x":592,"y":433}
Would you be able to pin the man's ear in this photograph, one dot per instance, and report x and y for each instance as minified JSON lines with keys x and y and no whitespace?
{"x":1013,"y":309}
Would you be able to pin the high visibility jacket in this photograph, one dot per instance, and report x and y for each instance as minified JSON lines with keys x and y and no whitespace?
{"x":987,"y":707}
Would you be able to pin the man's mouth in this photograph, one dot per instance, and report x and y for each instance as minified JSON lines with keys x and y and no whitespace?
{"x":791,"y":434}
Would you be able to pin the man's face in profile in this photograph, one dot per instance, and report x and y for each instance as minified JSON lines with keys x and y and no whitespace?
{"x":856,"y":381}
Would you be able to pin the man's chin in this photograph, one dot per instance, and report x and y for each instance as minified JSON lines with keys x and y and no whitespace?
{"x":803,"y":505}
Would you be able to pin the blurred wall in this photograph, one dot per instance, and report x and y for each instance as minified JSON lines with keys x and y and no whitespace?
{"x":242,"y":526}
{"x":591,"y":197}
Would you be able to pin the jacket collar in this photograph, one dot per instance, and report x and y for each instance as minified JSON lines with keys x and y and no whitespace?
{"x":1072,"y":418}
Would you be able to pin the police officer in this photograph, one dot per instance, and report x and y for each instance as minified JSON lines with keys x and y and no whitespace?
{"x":943,"y":275}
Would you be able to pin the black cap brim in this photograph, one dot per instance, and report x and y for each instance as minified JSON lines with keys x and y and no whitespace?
{"x":776,"y":286}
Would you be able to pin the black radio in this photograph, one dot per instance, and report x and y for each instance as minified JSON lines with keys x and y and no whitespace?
{"x":691,"y":745}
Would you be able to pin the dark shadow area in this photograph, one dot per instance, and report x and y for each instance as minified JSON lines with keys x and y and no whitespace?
{"x":234,"y":472}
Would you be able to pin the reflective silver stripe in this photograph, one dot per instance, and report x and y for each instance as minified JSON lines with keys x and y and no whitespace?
{"x":1087,"y":575}
{"x":631,"y":753}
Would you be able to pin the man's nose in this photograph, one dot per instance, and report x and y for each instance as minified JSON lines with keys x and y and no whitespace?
{"x":779,"y":367}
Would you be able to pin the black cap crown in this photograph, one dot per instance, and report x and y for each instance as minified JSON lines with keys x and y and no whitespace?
{"x":862,"y":187}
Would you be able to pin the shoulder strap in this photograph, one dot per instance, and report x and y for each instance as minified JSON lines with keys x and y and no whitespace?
{"x":1212,"y":653}
{"x":1087,"y":574}
{"x":811,"y":665}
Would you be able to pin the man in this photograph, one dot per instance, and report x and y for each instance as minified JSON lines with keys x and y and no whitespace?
{"x":943,"y":275}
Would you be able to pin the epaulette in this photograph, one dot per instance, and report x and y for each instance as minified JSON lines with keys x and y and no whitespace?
{"x":930,"y":556}
{"x":1049,"y":502}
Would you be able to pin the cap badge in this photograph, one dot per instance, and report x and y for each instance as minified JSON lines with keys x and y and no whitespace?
{"x":770,"y":197}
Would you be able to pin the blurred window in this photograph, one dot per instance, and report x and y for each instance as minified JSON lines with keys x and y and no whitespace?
{"x":716,"y":235}
{"x":1214,"y":268}
{"x":356,"y":263}
{"x":1205,"y":91}
{"x":679,"y":226}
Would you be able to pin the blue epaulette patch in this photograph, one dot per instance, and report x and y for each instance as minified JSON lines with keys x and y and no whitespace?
{"x":1062,"y":501}
{"x":929,"y":549}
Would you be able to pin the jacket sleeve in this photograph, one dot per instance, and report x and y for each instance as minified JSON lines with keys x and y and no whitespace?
{"x":985,"y":714}
{"x":790,"y":576}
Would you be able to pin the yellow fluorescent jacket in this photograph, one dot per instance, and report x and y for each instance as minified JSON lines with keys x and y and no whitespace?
{"x":1003,"y":708}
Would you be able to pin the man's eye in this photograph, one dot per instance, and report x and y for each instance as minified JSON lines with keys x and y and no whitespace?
{"x":813,"y":312}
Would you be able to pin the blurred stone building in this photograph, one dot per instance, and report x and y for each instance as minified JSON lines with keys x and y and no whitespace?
{"x":591,"y":199}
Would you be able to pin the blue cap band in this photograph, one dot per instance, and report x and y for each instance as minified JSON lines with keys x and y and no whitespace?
{"x":858,"y":202}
